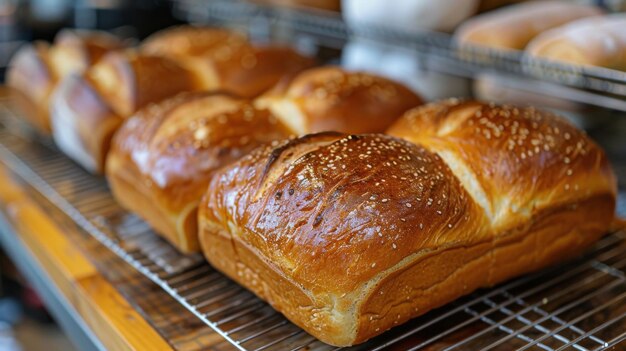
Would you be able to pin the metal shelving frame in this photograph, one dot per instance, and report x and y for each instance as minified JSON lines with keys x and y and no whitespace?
{"x":437,"y":51}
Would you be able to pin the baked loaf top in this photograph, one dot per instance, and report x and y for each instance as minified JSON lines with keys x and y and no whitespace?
{"x":330,"y":98}
{"x":512,"y":27}
{"x":323,"y":207}
{"x":174,"y":146}
{"x":184,"y":41}
{"x":225,"y":60}
{"x":253,"y":71}
{"x":514,"y":160}
{"x":74,"y":51}
{"x":597,"y":41}
{"x":163,"y":157}
{"x":351,"y":235}
{"x":130,"y":80}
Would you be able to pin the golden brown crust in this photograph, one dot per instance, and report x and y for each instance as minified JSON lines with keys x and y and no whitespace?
{"x":537,"y":157}
{"x":74,"y":51}
{"x":36,"y":69}
{"x":330,"y":98}
{"x":169,"y":151}
{"x":333,"y":214}
{"x":596,"y":41}
{"x":186,"y":41}
{"x":225,"y":60}
{"x":31,"y":81}
{"x":91,"y":108}
{"x":129,"y":81}
{"x":253,"y":71}
{"x":82,"y":122}
{"x":512,"y":27}
{"x":446,"y":274}
{"x":349,"y":236}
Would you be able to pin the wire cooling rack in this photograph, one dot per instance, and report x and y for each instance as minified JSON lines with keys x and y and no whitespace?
{"x":576,"y":306}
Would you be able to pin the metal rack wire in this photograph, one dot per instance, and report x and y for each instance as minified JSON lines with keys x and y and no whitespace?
{"x":578,"y":306}
{"x":437,"y":51}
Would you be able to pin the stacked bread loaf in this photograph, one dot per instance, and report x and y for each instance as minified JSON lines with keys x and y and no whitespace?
{"x":36,"y":70}
{"x":88,"y":109}
{"x":555,"y":30}
{"x":163,"y":157}
{"x":513,"y":27}
{"x":346,"y":231}
{"x":596,"y":41}
{"x":350,"y":235}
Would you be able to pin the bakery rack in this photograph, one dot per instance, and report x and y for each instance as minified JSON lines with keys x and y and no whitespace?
{"x":580,"y":305}
{"x":436,"y":51}
{"x":577,"y":306}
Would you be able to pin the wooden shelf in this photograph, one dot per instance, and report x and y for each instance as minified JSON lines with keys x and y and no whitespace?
{"x":87,"y":306}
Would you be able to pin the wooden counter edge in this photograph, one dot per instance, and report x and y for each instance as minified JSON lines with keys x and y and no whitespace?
{"x":116,"y":324}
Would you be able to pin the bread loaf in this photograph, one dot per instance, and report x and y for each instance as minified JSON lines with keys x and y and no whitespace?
{"x":596,"y":41}
{"x":348,"y":236}
{"x":74,"y":51}
{"x":86,"y":110}
{"x":36,"y":70}
{"x":31,"y":81}
{"x":225,"y":60}
{"x":512,"y":27}
{"x":162,"y":158}
{"x":329,"y":98}
{"x":186,"y":41}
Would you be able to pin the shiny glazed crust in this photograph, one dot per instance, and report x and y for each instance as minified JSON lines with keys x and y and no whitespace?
{"x":185,"y":41}
{"x":330,"y":98}
{"x":88,"y":109}
{"x":225,"y":60}
{"x":37,"y":68}
{"x":162,"y":158}
{"x":512,"y":27}
{"x":350,"y":235}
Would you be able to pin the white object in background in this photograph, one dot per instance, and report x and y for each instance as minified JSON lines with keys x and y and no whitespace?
{"x":397,"y":63}
{"x":402,"y":66}
{"x":407,"y":15}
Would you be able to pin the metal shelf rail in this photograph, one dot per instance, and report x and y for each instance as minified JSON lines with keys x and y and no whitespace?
{"x":437,"y":51}
{"x":577,"y":306}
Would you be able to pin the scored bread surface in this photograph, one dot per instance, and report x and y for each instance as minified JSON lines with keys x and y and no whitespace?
{"x":350,"y":235}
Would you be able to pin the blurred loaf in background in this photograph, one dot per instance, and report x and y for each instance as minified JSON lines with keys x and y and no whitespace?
{"x":514,"y":26}
{"x":596,"y":41}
